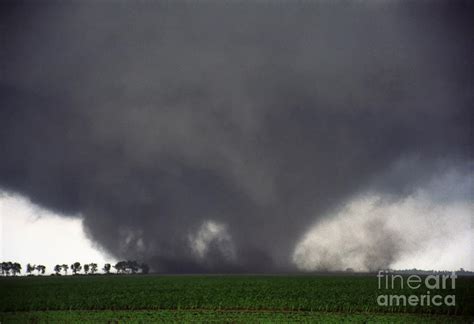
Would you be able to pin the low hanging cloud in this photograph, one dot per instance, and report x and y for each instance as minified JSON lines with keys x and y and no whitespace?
{"x":212,"y":238}
{"x":150,"y":119}
{"x":428,"y":229}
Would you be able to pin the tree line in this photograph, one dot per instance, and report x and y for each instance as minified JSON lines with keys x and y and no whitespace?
{"x":121,"y":267}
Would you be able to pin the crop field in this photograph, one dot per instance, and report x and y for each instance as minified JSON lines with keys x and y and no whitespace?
{"x":217,"y":298}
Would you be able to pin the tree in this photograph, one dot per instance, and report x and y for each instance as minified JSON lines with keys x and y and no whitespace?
{"x":41,"y":269}
{"x":86,"y":268}
{"x":65,"y":267}
{"x":132,"y":266}
{"x":30,"y":268}
{"x":76,"y":267}
{"x":93,"y":267}
{"x":57,"y":269}
{"x":16,"y":268}
{"x":106,"y":268}
{"x":145,"y":268}
{"x":6,"y":267}
{"x":121,"y":266}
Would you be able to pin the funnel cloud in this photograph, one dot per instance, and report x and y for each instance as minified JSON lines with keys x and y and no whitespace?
{"x":210,"y":137}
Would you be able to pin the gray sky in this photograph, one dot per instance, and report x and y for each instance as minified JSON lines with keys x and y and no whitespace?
{"x":30,"y":234}
{"x":211,"y":137}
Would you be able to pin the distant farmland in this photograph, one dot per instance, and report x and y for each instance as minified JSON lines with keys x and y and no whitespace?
{"x":216,"y":298}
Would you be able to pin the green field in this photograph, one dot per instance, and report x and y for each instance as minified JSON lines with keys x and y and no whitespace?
{"x":215,"y":298}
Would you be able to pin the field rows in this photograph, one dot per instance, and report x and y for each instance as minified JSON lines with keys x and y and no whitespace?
{"x":261,"y":297}
{"x":210,"y":316}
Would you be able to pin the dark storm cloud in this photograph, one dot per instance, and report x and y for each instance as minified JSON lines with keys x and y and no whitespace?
{"x":151,"y":119}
